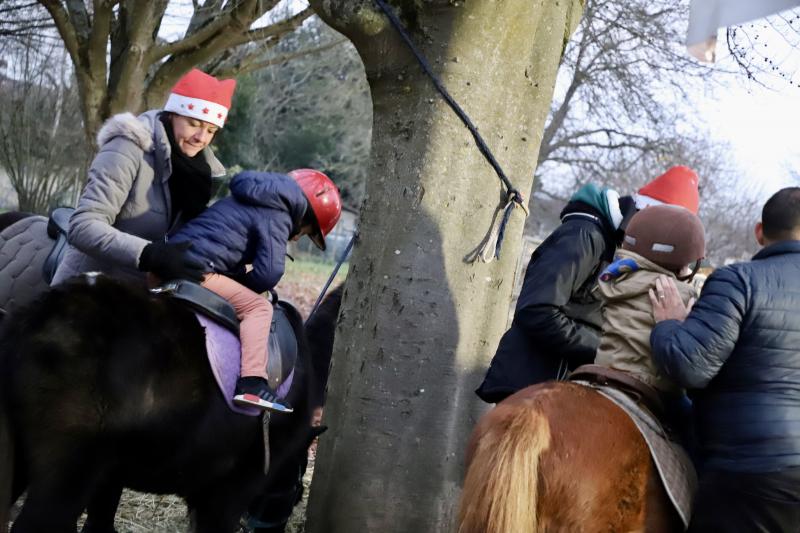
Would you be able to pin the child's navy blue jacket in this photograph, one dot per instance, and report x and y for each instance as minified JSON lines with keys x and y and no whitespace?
{"x":252,"y":226}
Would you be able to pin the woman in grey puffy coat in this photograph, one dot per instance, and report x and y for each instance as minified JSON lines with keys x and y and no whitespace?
{"x":151,"y":174}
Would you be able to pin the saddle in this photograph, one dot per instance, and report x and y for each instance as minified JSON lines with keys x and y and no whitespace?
{"x":221,"y":325}
{"x":203,"y":301}
{"x":641,"y":393}
{"x":57,"y":228}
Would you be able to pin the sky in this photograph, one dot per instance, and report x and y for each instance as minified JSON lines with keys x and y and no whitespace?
{"x":761,"y":123}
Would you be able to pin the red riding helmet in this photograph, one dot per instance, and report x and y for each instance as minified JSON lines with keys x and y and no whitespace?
{"x":324,"y":199}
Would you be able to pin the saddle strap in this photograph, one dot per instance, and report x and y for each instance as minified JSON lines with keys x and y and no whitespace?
{"x":57,"y":228}
{"x":201,"y":300}
{"x":642,"y":393}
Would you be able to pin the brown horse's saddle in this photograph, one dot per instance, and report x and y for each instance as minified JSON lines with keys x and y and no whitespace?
{"x":640,"y":392}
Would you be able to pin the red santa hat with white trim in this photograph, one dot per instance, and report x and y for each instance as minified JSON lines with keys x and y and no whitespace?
{"x":676,"y":186}
{"x":201,"y":96}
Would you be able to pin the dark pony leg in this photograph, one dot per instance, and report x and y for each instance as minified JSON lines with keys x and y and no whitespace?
{"x":102,"y":509}
{"x":60,"y":488}
{"x":218,"y":510}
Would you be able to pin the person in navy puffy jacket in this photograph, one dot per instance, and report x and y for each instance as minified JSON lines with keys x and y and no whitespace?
{"x":738,"y":351}
{"x":252,"y":227}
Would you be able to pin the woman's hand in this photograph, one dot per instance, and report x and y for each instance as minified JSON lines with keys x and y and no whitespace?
{"x":667,"y":302}
{"x":171,"y":261}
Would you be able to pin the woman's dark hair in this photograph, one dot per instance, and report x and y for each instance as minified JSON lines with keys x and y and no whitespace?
{"x":166,"y":117}
{"x":781,"y":215}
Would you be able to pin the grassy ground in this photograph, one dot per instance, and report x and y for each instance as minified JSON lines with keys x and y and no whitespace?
{"x":303,"y":281}
{"x":140,"y":513}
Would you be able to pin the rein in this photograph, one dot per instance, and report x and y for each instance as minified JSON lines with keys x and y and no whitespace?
{"x":325,"y":288}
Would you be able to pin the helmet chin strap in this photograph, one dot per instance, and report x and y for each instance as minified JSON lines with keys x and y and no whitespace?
{"x":692,"y":274}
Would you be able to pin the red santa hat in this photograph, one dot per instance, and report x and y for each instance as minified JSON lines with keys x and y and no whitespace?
{"x":201,"y":96}
{"x":676,"y":186}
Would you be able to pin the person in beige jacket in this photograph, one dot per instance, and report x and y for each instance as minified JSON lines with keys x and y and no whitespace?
{"x":659,"y":240}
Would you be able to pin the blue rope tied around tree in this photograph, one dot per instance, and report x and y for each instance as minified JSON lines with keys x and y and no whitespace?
{"x":513,"y":196}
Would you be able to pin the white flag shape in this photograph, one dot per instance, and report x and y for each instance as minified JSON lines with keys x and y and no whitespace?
{"x":705,"y":16}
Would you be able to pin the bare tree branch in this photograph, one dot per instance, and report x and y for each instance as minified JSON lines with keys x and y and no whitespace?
{"x":65,"y":28}
{"x":248,"y":64}
{"x":275,"y":30}
{"x":238,"y":17}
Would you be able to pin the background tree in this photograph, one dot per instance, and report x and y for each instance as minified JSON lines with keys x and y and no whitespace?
{"x":313,"y":111}
{"x":41,"y":138}
{"x":418,"y":323}
{"x":623,"y":90}
{"x":121,"y":62}
{"x":771,"y":62}
{"x":623,"y":113}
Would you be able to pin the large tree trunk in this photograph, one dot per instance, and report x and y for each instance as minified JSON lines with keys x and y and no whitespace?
{"x":419,"y":325}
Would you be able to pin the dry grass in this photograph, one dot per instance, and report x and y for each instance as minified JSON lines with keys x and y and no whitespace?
{"x":142,"y":513}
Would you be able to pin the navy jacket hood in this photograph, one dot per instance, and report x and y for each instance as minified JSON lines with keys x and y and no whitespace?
{"x":270,"y":189}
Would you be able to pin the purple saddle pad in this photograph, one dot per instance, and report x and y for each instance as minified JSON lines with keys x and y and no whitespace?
{"x":225,"y":357}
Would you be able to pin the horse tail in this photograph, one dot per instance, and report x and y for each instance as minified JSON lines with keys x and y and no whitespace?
{"x":501,"y":486}
{"x":6,"y":466}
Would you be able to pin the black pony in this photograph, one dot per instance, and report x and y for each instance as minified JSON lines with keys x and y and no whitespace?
{"x":106,"y":386}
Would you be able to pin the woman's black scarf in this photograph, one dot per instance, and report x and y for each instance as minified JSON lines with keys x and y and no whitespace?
{"x":190,"y":181}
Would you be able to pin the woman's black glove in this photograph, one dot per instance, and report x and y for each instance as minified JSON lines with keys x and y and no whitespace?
{"x":171,"y":261}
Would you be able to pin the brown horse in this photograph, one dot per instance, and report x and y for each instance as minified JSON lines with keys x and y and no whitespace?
{"x":561,"y":457}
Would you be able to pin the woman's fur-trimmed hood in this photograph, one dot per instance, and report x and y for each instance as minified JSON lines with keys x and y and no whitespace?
{"x":137,"y":129}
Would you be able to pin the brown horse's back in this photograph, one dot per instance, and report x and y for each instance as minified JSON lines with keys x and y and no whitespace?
{"x":593,"y":470}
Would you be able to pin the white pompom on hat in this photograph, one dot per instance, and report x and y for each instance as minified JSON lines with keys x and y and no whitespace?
{"x":201,"y":96}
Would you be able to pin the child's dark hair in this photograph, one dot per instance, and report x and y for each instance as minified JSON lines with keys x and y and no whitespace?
{"x":309,"y":218}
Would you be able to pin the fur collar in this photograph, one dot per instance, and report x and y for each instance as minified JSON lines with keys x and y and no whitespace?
{"x":129,"y":126}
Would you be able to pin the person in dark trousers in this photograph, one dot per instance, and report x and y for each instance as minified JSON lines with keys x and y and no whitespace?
{"x":557,"y":321}
{"x":738,"y":350}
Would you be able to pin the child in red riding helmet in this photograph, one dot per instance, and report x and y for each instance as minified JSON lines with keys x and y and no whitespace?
{"x":252,"y":227}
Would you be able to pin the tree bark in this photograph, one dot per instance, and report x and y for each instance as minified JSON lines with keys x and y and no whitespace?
{"x":418,"y":325}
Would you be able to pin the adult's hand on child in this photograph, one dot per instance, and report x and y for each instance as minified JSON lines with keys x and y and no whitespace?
{"x":171,"y":261}
{"x":667,"y":302}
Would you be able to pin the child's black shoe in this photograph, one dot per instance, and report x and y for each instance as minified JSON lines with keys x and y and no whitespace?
{"x":256,"y":392}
